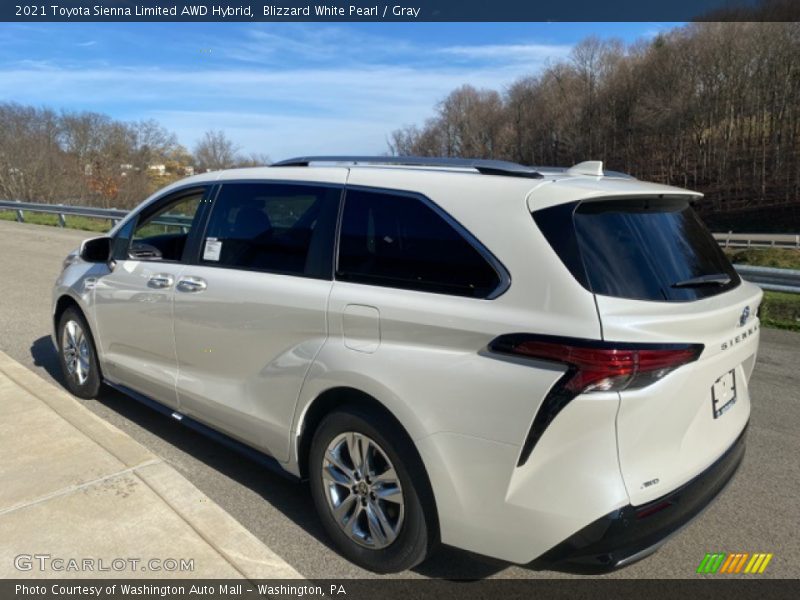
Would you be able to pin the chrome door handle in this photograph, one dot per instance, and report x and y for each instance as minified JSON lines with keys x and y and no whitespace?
{"x":160,"y":281}
{"x":191,"y":284}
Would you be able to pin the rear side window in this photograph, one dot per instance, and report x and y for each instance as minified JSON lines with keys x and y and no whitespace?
{"x":402,"y":241}
{"x":644,"y":249}
{"x":278,"y":228}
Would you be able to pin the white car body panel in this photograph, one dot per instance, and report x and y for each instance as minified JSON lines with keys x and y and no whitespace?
{"x":667,"y":431}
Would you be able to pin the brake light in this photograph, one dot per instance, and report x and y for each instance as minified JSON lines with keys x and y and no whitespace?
{"x":601,"y":366}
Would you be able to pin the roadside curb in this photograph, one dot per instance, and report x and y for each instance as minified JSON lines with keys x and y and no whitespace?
{"x":245,"y":553}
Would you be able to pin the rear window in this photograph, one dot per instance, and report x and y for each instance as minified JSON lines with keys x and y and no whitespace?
{"x":644,"y":249}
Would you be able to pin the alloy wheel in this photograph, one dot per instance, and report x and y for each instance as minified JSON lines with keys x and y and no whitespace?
{"x":363,"y":490}
{"x":75,"y":348}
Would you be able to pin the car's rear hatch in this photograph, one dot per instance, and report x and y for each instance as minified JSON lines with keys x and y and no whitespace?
{"x":660,"y":278}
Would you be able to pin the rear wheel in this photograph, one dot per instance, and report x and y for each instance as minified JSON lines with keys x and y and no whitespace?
{"x":77,"y":354}
{"x":375,"y":506}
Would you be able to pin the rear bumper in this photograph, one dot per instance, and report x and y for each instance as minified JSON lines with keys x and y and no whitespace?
{"x":632,"y":532}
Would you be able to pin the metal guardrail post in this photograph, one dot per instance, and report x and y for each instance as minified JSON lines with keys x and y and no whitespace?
{"x":62,"y":220}
{"x":20,"y":216}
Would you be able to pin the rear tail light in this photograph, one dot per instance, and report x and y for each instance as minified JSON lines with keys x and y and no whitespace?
{"x":592,"y":366}
{"x":601,"y":366}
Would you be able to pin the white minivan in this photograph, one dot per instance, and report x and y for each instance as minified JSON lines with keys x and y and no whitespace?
{"x":527,"y":363}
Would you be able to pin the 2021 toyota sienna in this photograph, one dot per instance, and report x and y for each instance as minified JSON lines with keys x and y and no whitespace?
{"x":520,"y":362}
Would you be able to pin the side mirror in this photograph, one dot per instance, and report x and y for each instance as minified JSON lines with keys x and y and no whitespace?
{"x":96,"y":250}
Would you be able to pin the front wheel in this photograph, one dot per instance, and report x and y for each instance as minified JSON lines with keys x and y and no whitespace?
{"x":376,"y":507}
{"x":77,"y":355}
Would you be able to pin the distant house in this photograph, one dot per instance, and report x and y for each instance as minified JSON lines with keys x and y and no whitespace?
{"x":160,"y":169}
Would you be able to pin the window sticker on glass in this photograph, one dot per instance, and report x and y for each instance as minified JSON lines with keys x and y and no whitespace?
{"x":212,"y":249}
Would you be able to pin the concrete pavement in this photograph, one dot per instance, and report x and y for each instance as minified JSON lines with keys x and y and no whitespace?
{"x":75,"y":488}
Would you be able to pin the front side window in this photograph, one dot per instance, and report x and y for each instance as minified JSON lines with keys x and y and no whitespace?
{"x":162,"y":234}
{"x":277,"y":228}
{"x":401,"y":241}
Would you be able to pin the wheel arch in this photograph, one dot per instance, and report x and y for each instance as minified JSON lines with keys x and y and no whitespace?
{"x":336,"y":397}
{"x":62,"y":304}
{"x":66,"y":301}
{"x":326,"y":402}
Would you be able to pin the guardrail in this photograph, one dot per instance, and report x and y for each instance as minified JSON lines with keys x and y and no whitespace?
{"x":769,"y":278}
{"x":63,"y":210}
{"x":779,"y":280}
{"x":758,"y":240}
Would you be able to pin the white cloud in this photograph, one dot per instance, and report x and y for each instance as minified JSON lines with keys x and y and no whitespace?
{"x":509,"y":52}
{"x":313,"y":44}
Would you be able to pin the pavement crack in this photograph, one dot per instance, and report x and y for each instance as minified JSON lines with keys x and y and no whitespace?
{"x":74,"y":488}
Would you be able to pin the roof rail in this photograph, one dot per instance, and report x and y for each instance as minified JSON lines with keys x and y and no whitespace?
{"x":486,"y":167}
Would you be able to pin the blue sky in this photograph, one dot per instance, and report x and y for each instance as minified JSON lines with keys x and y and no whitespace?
{"x":280,"y":89}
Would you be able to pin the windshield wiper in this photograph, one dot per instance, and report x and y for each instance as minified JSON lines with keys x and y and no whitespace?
{"x":712,"y":279}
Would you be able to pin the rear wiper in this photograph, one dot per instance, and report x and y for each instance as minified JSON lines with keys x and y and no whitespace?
{"x":713,"y":279}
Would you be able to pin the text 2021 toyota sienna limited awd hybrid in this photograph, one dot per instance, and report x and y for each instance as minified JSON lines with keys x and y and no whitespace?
{"x":520,"y":362}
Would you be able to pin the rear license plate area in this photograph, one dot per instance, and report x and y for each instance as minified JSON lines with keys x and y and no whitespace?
{"x":723,"y":393}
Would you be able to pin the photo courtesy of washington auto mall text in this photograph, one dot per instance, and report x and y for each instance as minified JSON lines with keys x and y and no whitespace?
{"x":166,"y":590}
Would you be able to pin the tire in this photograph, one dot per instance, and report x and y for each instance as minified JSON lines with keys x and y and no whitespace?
{"x":78,"y":355}
{"x":408,"y":532}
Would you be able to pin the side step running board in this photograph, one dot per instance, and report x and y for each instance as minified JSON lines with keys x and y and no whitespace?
{"x":262,"y":459}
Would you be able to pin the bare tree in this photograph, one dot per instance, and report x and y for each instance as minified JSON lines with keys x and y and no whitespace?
{"x":254,"y":159}
{"x":712,"y":106}
{"x":215,"y":151}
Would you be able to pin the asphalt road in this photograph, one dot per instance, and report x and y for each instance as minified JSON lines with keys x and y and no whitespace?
{"x":759,"y":511}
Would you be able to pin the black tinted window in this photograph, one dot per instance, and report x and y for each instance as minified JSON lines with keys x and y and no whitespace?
{"x":162,"y":233}
{"x":280,"y":228}
{"x":648,"y":249}
{"x":400,"y":241}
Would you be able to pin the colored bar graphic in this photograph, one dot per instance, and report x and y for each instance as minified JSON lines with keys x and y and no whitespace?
{"x":721,"y":562}
{"x":764,"y":564}
{"x":711,"y":563}
{"x":704,"y":564}
{"x":741,"y":562}
{"x":728,"y":564}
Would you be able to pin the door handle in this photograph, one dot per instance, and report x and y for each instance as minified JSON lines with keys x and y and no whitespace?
{"x":160,"y":281}
{"x":191,"y":284}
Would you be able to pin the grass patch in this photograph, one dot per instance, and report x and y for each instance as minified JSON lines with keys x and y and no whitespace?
{"x":780,"y":258}
{"x":781,"y":310}
{"x":72,"y":222}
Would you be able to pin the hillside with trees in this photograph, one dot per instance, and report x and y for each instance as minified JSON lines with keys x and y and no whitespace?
{"x":710,"y":106}
{"x":88,"y":158}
